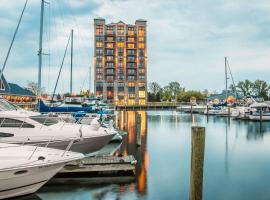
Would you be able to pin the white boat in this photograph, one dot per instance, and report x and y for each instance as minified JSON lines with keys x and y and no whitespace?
{"x":219,"y":111}
{"x":20,"y":126}
{"x":193,"y":108}
{"x":241,"y":112}
{"x":260,"y":111}
{"x":24,"y":169}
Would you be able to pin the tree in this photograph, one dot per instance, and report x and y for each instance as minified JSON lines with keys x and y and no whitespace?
{"x":33,"y":87}
{"x":261,"y":88}
{"x":245,"y":87}
{"x":166,"y":94}
{"x":174,"y":88}
{"x":154,"y":87}
{"x":185,"y":96}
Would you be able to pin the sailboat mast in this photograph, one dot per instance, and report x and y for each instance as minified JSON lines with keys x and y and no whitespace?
{"x":71,"y":61}
{"x":13,"y":39}
{"x":40,"y":48}
{"x":90,"y":81}
{"x":226,"y":79}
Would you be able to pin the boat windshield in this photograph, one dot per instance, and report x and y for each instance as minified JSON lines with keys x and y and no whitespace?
{"x":45,"y":120}
{"x":6,"y":106}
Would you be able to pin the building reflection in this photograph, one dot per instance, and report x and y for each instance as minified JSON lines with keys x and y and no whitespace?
{"x":126,"y":121}
{"x":197,"y":162}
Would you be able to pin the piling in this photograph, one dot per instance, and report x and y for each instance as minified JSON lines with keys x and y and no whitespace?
{"x":197,"y":160}
{"x":191,"y":109}
{"x":207,"y":110}
{"x":138,"y":129}
{"x":261,"y":119}
{"x":229,"y":111}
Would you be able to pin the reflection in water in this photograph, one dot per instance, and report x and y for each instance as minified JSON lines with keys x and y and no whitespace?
{"x":129,"y":146}
{"x":197,"y":160}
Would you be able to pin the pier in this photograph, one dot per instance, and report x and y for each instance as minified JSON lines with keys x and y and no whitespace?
{"x":150,"y":106}
{"x":101,"y":169}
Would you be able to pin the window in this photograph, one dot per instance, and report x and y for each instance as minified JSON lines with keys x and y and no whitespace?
{"x":120,"y":64}
{"x":131,"y":102}
{"x":131,"y":59}
{"x":99,"y":58}
{"x":120,"y":71}
{"x":120,"y":30}
{"x":14,"y":123}
{"x":109,"y":30}
{"x":131,"y":78}
{"x":45,"y":120}
{"x":141,"y":77}
{"x":99,"y":38}
{"x":131,"y":46}
{"x":120,"y":39}
{"x":99,"y":44}
{"x":141,"y":31}
{"x":141,"y":52}
{"x":121,"y":89}
{"x":109,"y":51}
{"x":110,"y":71}
{"x":120,"y":44}
{"x":131,"y":71}
{"x":142,"y":101}
{"x":99,"y":77}
{"x":110,"y":65}
{"x":99,"y":51}
{"x":121,"y":58}
{"x":131,"y":52}
{"x":130,"y":30}
{"x":6,"y":135}
{"x":109,"y":78}
{"x":110,"y":39}
{"x":141,"y":94}
{"x":98,"y":64}
{"x":120,"y":77}
{"x":131,"y":65}
{"x":131,"y":84}
{"x":141,"y":71}
{"x":109,"y":58}
{"x":141,"y":45}
{"x":109,"y":45}
{"x":99,"y":29}
{"x":120,"y":50}
{"x":141,"y":39}
{"x":99,"y":70}
{"x":131,"y":39}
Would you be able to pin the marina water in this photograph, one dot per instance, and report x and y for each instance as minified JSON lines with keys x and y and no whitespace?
{"x":236,"y":160}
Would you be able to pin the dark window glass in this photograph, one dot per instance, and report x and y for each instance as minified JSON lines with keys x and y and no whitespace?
{"x":45,"y":120}
{"x":6,"y":122}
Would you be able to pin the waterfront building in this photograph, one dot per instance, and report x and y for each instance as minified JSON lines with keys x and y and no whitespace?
{"x":120,"y":62}
{"x":15,"y":93}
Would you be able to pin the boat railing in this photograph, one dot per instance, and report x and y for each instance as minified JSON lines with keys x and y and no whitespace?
{"x":46,"y":144}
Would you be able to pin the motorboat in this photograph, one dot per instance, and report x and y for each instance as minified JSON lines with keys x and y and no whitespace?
{"x":191,"y":108}
{"x":260,"y":111}
{"x":24,"y":169}
{"x":241,"y":112}
{"x":20,"y":126}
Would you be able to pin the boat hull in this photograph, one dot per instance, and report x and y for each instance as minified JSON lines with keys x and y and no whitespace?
{"x":84,"y":145}
{"x":25,"y":181}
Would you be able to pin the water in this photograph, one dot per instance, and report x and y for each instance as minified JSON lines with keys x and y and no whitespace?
{"x":236,"y":160}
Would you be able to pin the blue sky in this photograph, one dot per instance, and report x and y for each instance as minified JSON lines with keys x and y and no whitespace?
{"x":187,"y":40}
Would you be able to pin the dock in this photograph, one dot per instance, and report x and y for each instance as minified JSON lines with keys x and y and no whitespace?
{"x":97,"y":170}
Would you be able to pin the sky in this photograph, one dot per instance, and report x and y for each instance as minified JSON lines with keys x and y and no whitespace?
{"x":187,"y":40}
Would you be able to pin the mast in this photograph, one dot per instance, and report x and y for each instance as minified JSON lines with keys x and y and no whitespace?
{"x":13,"y":39}
{"x":40,"y":48}
{"x":90,"y":81}
{"x":226,"y":79}
{"x":71,"y":61}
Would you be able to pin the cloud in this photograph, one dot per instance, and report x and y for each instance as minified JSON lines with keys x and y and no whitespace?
{"x":187,"y":39}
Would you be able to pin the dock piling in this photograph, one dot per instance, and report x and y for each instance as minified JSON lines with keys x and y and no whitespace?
{"x":197,"y":160}
{"x":138,"y":129}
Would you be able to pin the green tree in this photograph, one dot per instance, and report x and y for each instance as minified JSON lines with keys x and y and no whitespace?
{"x":154,"y":87}
{"x":245,"y":87}
{"x":175,"y":89}
{"x":261,"y":88}
{"x":185,"y":96}
{"x":166,"y":94}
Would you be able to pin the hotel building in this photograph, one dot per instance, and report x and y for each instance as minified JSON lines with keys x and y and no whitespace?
{"x":120,"y":62}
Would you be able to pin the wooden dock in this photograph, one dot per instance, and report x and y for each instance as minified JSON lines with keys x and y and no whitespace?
{"x":97,"y":170}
